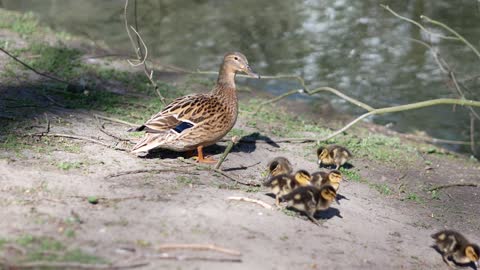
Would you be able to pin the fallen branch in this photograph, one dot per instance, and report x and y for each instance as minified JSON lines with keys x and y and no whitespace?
{"x":32,"y":69}
{"x":406,"y":107}
{"x":230,"y":144}
{"x":148,"y":171}
{"x":165,"y":256}
{"x":75,"y":137}
{"x":115,"y":120}
{"x":70,"y":265}
{"x":244,"y":199}
{"x":207,"y":168}
{"x":202,"y":247}
{"x":453,"y":185}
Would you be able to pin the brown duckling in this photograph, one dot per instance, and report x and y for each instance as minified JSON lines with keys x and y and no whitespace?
{"x":333,"y":155}
{"x":284,"y":183}
{"x":310,"y":199}
{"x":278,"y":166}
{"x":455,"y":246}
{"x":333,"y":178}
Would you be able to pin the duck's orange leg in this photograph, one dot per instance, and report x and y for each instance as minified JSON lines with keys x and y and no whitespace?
{"x":201,"y":159}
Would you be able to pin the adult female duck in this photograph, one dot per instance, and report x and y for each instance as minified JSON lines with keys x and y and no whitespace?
{"x":198,"y":120}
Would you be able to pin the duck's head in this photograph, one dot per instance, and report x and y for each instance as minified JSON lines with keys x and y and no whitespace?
{"x":335,"y":176}
{"x":328,"y":193}
{"x":303,"y":177}
{"x":322,"y":154}
{"x":279,"y":165}
{"x":236,"y":62}
{"x":472,"y":252}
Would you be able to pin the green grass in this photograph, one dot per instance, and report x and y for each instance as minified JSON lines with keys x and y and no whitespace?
{"x":65,"y":165}
{"x":414,"y":197}
{"x":25,"y":24}
{"x":40,"y":248}
{"x":384,"y":189}
{"x":352,"y":175}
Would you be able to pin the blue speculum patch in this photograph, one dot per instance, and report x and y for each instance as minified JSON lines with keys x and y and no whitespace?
{"x":182,"y":126}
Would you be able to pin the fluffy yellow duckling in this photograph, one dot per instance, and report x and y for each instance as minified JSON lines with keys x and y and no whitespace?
{"x":455,"y":246}
{"x":333,"y":155}
{"x":310,"y":199}
{"x":278,"y":166}
{"x":333,"y":178}
{"x":284,"y":183}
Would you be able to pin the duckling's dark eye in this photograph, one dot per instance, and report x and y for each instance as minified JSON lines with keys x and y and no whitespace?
{"x":236,"y":58}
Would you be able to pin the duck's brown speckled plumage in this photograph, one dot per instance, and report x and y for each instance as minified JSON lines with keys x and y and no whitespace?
{"x":197,"y":120}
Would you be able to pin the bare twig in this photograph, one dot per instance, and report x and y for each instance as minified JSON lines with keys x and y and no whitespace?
{"x":70,"y":265}
{"x":455,"y":33}
{"x":406,"y":107}
{"x":244,"y":199}
{"x":230,"y":144}
{"x":32,"y":69}
{"x":115,"y":120}
{"x":207,"y":168}
{"x":165,"y":256}
{"x":75,"y":137}
{"x":149,"y":171}
{"x":102,"y":128}
{"x":417,"y":24}
{"x":141,"y":58}
{"x":202,"y":247}
{"x":453,"y":185}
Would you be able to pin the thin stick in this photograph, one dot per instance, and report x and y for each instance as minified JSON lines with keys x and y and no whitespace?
{"x":453,"y":185}
{"x":230,"y":144}
{"x":244,"y":199}
{"x":115,"y":120}
{"x":406,"y":107}
{"x":455,"y":33}
{"x":102,"y":129}
{"x":141,"y":58}
{"x":34,"y":70}
{"x":148,"y":171}
{"x":210,"y":247}
{"x":207,"y":168}
{"x":165,"y":256}
{"x":417,"y":24}
{"x":71,"y":265}
{"x":75,"y":137}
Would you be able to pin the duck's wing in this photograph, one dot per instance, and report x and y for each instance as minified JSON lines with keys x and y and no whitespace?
{"x":181,"y":114}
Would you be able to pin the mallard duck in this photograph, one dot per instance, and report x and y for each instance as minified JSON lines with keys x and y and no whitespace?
{"x":455,"y":246}
{"x":333,"y":178}
{"x":198,"y":120}
{"x":284,"y":183}
{"x":333,"y":155}
{"x":310,"y":199}
{"x":277,"y":166}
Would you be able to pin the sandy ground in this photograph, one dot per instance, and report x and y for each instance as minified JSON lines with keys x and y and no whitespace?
{"x":138,"y":212}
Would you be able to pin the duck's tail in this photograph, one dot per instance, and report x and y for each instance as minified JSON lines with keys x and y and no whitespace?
{"x":147,"y":143}
{"x":136,"y":129}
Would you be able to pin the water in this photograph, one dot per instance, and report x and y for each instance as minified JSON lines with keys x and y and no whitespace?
{"x":354,"y":46}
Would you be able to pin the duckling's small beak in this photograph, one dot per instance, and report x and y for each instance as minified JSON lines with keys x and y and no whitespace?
{"x":250,"y":72}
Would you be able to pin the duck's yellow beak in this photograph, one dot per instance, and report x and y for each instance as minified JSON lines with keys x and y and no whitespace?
{"x":248,"y":70}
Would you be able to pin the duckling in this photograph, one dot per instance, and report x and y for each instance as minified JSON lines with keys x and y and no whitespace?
{"x":454,"y":245}
{"x":309,"y":199}
{"x":278,"y":166}
{"x":284,"y":183}
{"x":333,"y":178}
{"x":333,"y":155}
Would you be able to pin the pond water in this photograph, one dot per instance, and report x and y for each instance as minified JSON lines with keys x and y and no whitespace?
{"x":355,"y":46}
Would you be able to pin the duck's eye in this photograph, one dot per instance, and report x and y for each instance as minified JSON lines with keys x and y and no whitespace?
{"x":236,"y":58}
